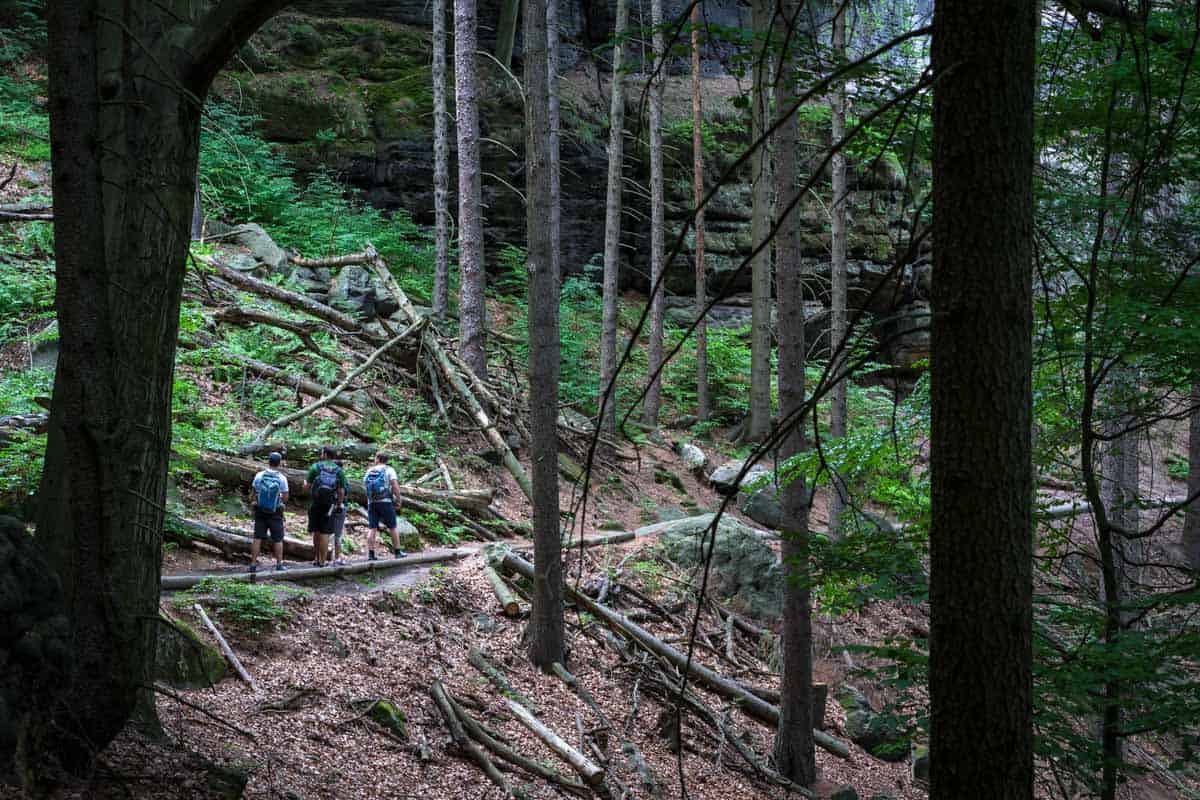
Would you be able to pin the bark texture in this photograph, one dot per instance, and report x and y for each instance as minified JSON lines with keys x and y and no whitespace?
{"x":657,"y":213}
{"x":545,"y":632}
{"x":472,"y":277}
{"x":441,"y":169}
{"x":837,"y":310}
{"x":612,"y":222}
{"x":124,"y":126}
{"x":981,"y":742}
{"x":703,"y":408}
{"x":1191,"y":520}
{"x":795,"y":755}
{"x":760,"y":225}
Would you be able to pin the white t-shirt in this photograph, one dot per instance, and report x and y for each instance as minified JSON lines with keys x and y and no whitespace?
{"x":389,"y":476}
{"x":283,"y":484}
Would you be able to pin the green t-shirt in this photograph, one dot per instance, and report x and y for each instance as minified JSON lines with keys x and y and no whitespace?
{"x":341,"y":474}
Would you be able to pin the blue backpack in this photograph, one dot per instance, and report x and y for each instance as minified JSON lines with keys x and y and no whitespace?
{"x":378,"y":488}
{"x":325,"y":485}
{"x":269,"y":486}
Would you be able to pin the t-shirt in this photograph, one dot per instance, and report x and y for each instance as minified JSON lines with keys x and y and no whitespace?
{"x":338,"y":471}
{"x":283,"y":484}
{"x":389,"y":476}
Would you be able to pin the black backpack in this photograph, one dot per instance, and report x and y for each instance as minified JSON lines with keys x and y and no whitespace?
{"x":325,"y":485}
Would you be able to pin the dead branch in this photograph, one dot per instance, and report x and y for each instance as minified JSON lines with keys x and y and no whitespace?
{"x":579,"y":689}
{"x":226,"y":650}
{"x":497,"y":678}
{"x":508,"y":600}
{"x":592,"y":774}
{"x":466,"y":744}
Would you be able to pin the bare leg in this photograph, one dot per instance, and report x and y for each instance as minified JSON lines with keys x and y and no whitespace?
{"x":371,"y":537}
{"x":337,"y":548}
{"x":278,"y":548}
{"x":321,"y":546}
{"x":255,"y":547}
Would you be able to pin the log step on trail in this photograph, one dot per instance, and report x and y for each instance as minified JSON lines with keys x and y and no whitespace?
{"x":268,"y":573}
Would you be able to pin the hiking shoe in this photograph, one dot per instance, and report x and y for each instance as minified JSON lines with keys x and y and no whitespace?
{"x":254,"y":568}
{"x":371,"y":557}
{"x":400,"y":554}
{"x":282,"y":567}
{"x":339,"y":563}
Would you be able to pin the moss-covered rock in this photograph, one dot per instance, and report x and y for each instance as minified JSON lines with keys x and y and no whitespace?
{"x":388,"y":716}
{"x":183,"y":659}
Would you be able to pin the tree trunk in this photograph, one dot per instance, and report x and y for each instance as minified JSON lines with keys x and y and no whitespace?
{"x":655,"y":354}
{"x":1191,"y":520}
{"x":612,"y":224}
{"x":981,"y":742}
{"x":795,"y":756}
{"x":760,"y":225}
{"x":555,"y":177}
{"x":441,"y":208}
{"x":506,"y":31}
{"x":472,"y":278}
{"x":702,"y":402}
{"x":124,"y":129}
{"x":837,"y":311}
{"x":545,"y":633}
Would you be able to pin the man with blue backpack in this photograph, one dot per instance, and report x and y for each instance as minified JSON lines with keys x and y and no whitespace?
{"x":383,"y":500}
{"x":270,"y":493}
{"x":327,"y":484}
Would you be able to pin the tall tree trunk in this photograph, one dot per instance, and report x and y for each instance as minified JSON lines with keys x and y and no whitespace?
{"x":506,"y":31}
{"x":124,"y":95}
{"x":545,"y":633}
{"x":981,"y":738}
{"x":703,"y":409}
{"x":1191,"y":520}
{"x":612,"y":221}
{"x":552,"y":35}
{"x":795,"y":754}
{"x":760,"y":225}
{"x":837,"y":311}
{"x":441,"y":209}
{"x":655,"y":355}
{"x":472,"y":311}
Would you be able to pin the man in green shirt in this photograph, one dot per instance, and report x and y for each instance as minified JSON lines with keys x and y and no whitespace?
{"x":326,"y":482}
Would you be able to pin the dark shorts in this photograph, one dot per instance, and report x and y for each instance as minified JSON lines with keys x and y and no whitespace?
{"x":339,"y":522}
{"x":320,"y":520}
{"x":272,"y":522}
{"x":382,"y":514}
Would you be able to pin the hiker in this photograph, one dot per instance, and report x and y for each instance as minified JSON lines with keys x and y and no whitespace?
{"x":383,"y":500}
{"x":339,"y":520}
{"x":326,"y":482}
{"x":270,"y":493}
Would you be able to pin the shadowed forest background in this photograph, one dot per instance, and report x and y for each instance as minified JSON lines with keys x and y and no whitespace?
{"x":786,"y":399}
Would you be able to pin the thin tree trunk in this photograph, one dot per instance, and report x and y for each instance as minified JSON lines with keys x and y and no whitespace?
{"x":981,"y":735}
{"x":612,"y":223}
{"x":760,"y":224}
{"x":837,"y":311}
{"x":506,"y":31}
{"x":655,"y":355}
{"x":441,"y":208}
{"x":795,"y":755}
{"x":1191,"y":520}
{"x":702,"y":402}
{"x":545,"y":632}
{"x":472,"y":277}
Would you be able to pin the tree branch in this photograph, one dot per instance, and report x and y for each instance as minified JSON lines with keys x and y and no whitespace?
{"x":219,"y":34}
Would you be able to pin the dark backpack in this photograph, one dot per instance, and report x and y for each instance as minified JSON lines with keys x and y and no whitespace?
{"x":378,"y":486}
{"x":325,"y":485}
{"x":269,"y":486}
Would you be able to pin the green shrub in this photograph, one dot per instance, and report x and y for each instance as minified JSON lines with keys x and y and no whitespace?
{"x":21,"y":461}
{"x":253,"y":607}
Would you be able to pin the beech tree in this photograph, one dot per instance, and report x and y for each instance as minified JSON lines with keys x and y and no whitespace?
{"x":760,"y":169}
{"x":837,"y":267}
{"x":472,"y":278}
{"x":545,"y":633}
{"x":702,"y":401}
{"x":612,"y":223}
{"x":441,"y":210}
{"x":657,"y":213}
{"x":980,"y":661}
{"x":795,"y":755}
{"x":125,"y":94}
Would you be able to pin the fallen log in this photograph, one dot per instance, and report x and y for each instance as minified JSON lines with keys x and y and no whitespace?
{"x":591,"y":774}
{"x":335,"y":392}
{"x":581,"y":691}
{"x":616,"y":537}
{"x":730,"y":690}
{"x":508,"y":600}
{"x":180,"y":582}
{"x":434,"y":347}
{"x":490,"y":671}
{"x":464,"y":742}
{"x":187,"y":530}
{"x":289,"y":380}
{"x":226,"y":650}
{"x":233,"y":471}
{"x":301,"y":329}
{"x":352,"y":451}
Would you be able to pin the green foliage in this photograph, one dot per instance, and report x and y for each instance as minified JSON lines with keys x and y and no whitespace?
{"x":19,"y":387}
{"x":252,"y":607}
{"x":198,"y":426}
{"x":21,"y":460}
{"x":1177,"y":468}
{"x":728,"y":373}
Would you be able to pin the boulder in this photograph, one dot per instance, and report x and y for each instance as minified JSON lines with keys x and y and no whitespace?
{"x":353,"y":291}
{"x":724,"y":477}
{"x":693,"y":457}
{"x":45,"y":348}
{"x":184,"y":660}
{"x":261,"y":246}
{"x":745,"y":570}
{"x":762,"y":505}
{"x":410,"y":538}
{"x":920,"y":764}
{"x":878,"y":734}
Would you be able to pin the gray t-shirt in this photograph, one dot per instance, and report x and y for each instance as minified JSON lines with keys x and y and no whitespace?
{"x":283,"y":485}
{"x":389,"y":476}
